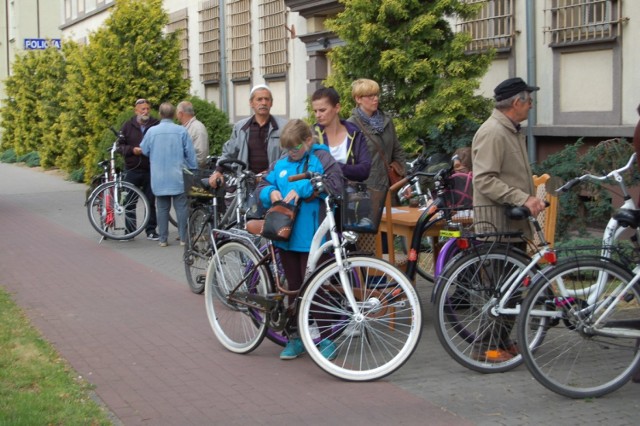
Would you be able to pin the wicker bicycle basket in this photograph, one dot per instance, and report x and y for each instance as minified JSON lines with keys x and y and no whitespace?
{"x":193,"y":186}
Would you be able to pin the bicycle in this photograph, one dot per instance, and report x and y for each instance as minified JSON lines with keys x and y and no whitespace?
{"x":245,"y":298}
{"x":440,"y":210}
{"x":469,"y":306}
{"x":207,"y":214}
{"x":117,"y":210}
{"x":588,"y":310}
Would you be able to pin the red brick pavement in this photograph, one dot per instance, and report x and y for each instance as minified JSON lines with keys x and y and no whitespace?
{"x":144,"y":341}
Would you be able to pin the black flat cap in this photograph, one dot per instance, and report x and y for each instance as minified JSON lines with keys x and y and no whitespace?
{"x":511,"y":87}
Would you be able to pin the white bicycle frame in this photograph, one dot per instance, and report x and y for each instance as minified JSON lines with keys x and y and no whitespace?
{"x":611,"y":234}
{"x":318,"y":247}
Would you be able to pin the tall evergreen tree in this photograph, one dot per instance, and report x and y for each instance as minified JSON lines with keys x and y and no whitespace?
{"x":130,"y":57}
{"x":409,"y":48}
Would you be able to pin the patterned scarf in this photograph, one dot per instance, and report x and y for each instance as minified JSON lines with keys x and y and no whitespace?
{"x":376,"y":121}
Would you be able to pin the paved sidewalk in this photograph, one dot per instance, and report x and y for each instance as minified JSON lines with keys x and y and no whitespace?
{"x":121,"y":313}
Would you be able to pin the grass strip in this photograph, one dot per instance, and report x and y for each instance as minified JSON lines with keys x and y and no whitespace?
{"x":37,"y":386}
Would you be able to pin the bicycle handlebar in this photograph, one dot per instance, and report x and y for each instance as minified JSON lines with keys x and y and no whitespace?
{"x":396,"y":186}
{"x":573,"y":182}
{"x":305,"y":175}
{"x":230,"y":161}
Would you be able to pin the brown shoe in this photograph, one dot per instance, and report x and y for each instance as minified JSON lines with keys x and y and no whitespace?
{"x":492,"y":355}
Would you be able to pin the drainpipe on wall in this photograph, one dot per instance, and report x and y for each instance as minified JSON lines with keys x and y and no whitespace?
{"x":531,"y":77}
{"x":6,"y":6}
{"x":223,"y":60}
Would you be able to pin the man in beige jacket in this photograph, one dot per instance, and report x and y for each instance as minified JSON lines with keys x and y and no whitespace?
{"x":198,"y":132}
{"x":502,"y":176}
{"x":501,"y":170}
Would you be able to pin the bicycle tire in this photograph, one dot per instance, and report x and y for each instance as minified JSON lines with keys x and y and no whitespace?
{"x":172,"y":220}
{"x":571,"y":360}
{"x":389,"y":329}
{"x":463,"y":320}
{"x":232,"y":315}
{"x":110,"y":219}
{"x":198,"y":249}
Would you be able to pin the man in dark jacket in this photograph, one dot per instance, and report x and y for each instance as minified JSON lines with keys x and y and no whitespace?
{"x":136,"y":165}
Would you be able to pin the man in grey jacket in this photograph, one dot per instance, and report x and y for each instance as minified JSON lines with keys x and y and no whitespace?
{"x":254,"y":140}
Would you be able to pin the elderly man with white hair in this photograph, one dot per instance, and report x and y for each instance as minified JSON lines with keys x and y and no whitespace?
{"x":254,"y":140}
{"x":198,"y":132}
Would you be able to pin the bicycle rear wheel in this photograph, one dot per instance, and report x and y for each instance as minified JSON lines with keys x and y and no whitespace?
{"x":198,"y":249}
{"x":576,"y":359}
{"x":467,"y":291}
{"x":234,"y":288}
{"x":386,"y":333}
{"x":118,"y":210}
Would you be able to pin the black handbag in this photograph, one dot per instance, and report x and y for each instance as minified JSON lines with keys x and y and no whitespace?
{"x":278,"y":222}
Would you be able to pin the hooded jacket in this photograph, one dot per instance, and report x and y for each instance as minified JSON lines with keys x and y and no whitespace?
{"x":311,"y":209}
{"x":358,"y":164}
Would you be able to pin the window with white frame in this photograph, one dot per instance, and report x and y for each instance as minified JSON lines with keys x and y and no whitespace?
{"x":209,"y":20}
{"x":239,"y":38}
{"x":491,"y":27}
{"x":178,"y":23}
{"x":273,"y":37}
{"x":582,"y":21}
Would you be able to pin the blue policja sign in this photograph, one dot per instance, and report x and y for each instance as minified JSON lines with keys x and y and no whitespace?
{"x":41,"y":43}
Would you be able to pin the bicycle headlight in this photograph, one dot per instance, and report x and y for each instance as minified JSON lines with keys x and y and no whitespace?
{"x":350,"y":236}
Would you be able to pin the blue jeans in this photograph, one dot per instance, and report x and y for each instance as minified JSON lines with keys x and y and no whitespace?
{"x":164,"y":206}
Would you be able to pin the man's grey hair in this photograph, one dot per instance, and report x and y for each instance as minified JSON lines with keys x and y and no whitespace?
{"x":186,"y":107}
{"x":167,"y":110}
{"x":506,"y":104}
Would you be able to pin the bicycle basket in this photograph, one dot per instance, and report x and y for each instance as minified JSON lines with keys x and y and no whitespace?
{"x":459,"y":190}
{"x":193,"y":186}
{"x":487,"y":221}
{"x":361,"y":208}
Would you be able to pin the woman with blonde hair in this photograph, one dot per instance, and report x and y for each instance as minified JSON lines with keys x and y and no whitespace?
{"x":378,"y":128}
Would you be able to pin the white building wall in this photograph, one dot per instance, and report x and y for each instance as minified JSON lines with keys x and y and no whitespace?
{"x":585,"y":78}
{"x":289,"y":94}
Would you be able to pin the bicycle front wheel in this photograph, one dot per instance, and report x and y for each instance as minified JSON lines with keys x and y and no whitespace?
{"x":468,"y":289}
{"x":380,"y":339}
{"x":234,"y":290}
{"x":198,"y":249}
{"x":118,"y":210}
{"x":576,"y":358}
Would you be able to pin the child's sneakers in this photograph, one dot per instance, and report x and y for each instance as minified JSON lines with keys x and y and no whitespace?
{"x":293,"y":350}
{"x":328,"y":349}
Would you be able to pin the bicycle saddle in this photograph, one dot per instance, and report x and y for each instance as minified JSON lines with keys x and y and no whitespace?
{"x":517,"y":212}
{"x":255,"y":226}
{"x":628,"y":218}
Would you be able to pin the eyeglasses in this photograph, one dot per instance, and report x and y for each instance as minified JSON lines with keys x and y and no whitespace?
{"x":296,"y":148}
{"x":142,"y":101}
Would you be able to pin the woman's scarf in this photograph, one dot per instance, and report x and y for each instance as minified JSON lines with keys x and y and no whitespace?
{"x":376,"y":121}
